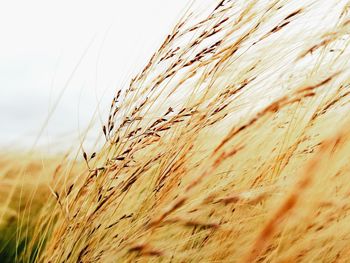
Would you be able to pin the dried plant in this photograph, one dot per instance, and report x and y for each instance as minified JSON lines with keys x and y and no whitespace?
{"x":231,"y":145}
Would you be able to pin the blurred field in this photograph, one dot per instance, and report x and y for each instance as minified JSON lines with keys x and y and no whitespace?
{"x":232,"y":145}
{"x":23,"y":190}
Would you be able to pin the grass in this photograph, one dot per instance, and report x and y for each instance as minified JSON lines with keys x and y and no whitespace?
{"x":231,"y":145}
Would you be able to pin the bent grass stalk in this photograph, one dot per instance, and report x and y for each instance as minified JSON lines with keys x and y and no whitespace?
{"x":231,"y":145}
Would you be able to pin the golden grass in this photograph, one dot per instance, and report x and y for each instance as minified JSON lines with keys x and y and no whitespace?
{"x":231,"y":145}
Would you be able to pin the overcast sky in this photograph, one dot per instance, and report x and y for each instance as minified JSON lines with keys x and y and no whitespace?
{"x":41,"y":43}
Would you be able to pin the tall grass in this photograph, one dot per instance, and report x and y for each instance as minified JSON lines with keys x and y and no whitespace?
{"x":231,"y":145}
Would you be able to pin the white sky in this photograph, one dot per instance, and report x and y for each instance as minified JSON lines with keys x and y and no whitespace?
{"x":41,"y":42}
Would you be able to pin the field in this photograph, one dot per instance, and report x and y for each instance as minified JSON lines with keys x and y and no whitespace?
{"x":231,"y":145}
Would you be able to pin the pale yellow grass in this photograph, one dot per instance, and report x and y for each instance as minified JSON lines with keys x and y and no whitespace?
{"x":232,"y":145}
